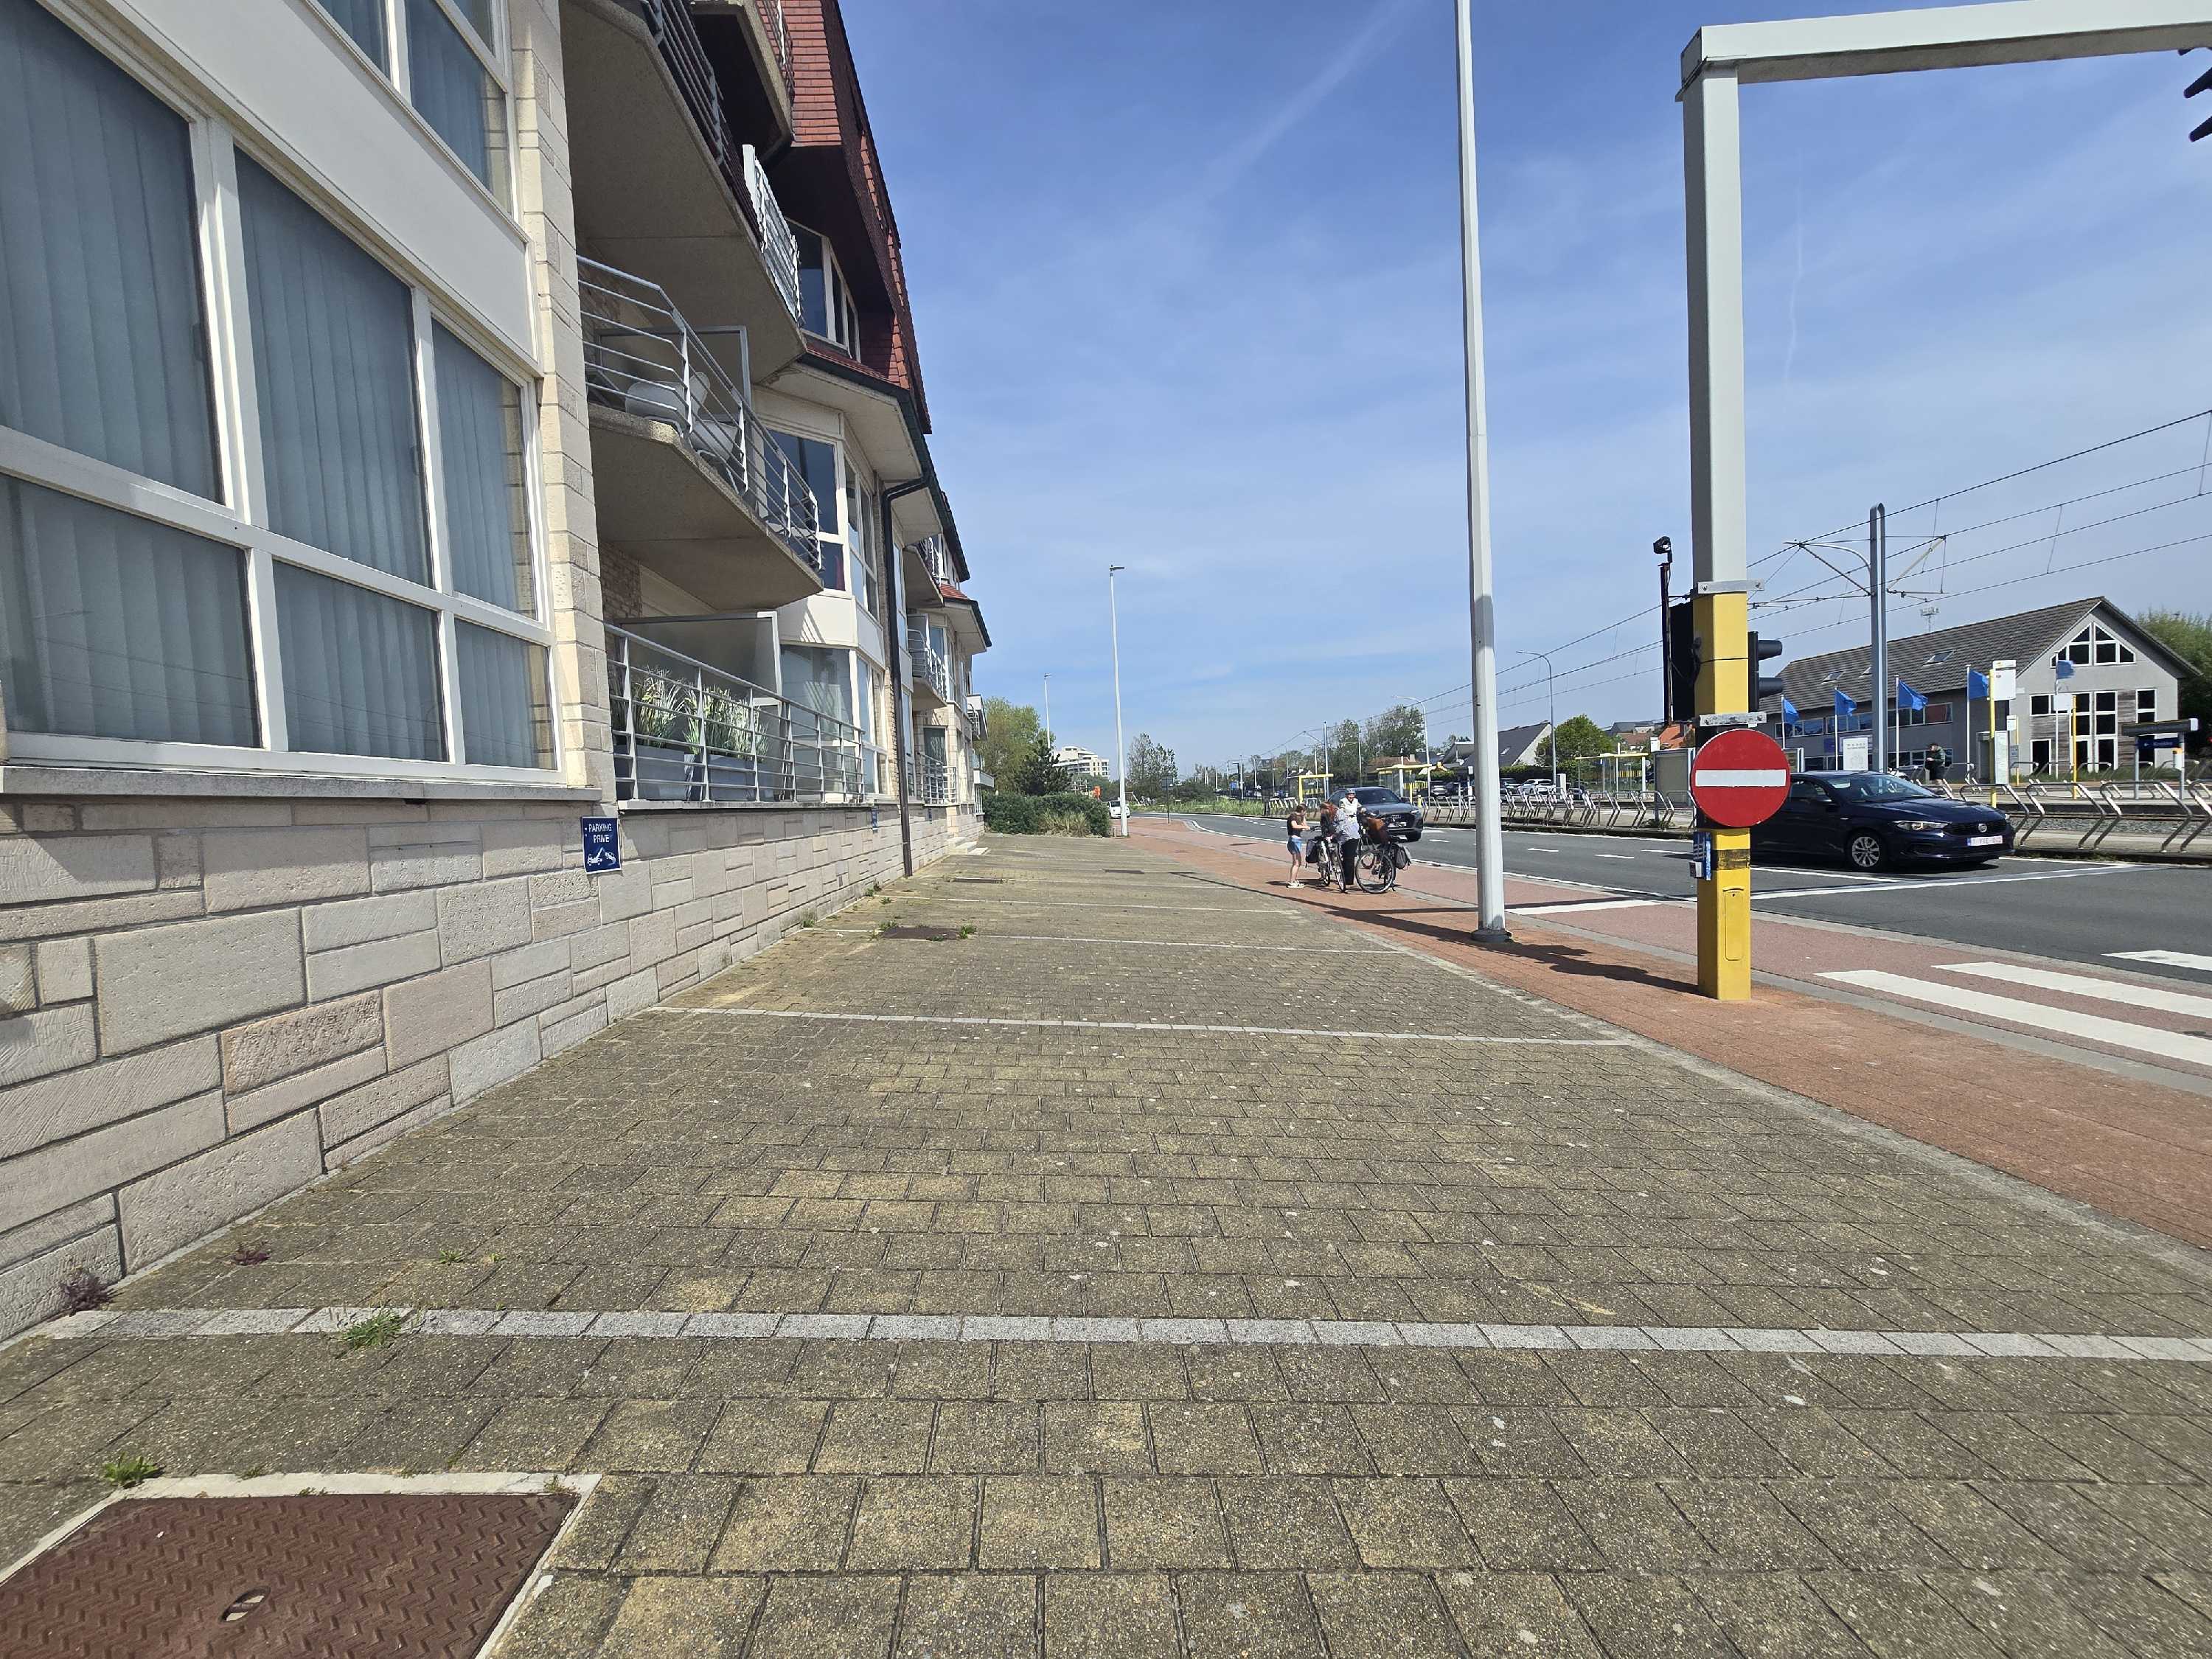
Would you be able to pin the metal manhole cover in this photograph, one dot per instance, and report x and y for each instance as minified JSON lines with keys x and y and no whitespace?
{"x":937,"y":933}
{"x":297,"y":1577}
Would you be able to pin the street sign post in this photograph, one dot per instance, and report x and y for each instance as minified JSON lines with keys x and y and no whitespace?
{"x":1739,"y":779}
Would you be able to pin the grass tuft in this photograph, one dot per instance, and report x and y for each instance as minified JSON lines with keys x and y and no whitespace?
{"x":374,"y":1331}
{"x":128,"y":1471}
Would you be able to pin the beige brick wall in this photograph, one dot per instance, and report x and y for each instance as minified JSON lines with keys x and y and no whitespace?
{"x":317,"y":976}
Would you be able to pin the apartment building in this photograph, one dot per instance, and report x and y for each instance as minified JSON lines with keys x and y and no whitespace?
{"x":1080,"y":762}
{"x":426,"y":425}
{"x":2115,"y":676}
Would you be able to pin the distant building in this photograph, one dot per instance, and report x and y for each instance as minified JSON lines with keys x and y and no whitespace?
{"x":1081,"y":763}
{"x":2120,"y":677}
{"x":1517,"y":746}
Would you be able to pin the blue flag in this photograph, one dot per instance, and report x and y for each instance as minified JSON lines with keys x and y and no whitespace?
{"x":1788,"y":712}
{"x":1908,"y":698}
{"x":1978,"y":685}
{"x":1845,"y":709}
{"x":2062,"y":668}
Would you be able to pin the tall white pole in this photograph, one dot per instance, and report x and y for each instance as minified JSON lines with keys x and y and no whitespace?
{"x":1482,"y":606}
{"x":1048,"y":705}
{"x":1120,"y":748}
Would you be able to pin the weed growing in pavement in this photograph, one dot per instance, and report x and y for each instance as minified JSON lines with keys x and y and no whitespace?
{"x":124,"y":1472}
{"x":448,"y":1257}
{"x":886,"y":898}
{"x":553,"y":1483}
{"x":966,"y":930}
{"x":874,"y":888}
{"x":806,"y":920}
{"x":82,"y":1289}
{"x":374,"y":1331}
{"x":254,"y":1473}
{"x":249,"y":1255}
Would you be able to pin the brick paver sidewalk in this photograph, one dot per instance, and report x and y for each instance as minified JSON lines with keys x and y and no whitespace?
{"x":1165,"y":1268}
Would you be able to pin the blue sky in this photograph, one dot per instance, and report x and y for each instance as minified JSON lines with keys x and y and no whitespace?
{"x":1186,"y":286}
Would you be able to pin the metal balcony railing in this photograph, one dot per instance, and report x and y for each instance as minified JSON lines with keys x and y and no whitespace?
{"x":686,"y":731}
{"x":929,"y":780}
{"x":642,"y":358}
{"x":978,"y":724}
{"x":930,"y":667}
{"x":937,"y":558}
{"x":677,"y":37}
{"x":778,"y":245}
{"x":778,"y":36}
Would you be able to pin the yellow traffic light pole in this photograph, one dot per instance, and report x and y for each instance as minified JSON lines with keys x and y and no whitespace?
{"x":1722,"y":622}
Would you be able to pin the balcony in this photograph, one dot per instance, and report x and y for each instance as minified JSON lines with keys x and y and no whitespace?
{"x":932,"y":674}
{"x":688,"y":732}
{"x":661,"y":183}
{"x":929,"y":567}
{"x":978,"y":727}
{"x":689,"y":482}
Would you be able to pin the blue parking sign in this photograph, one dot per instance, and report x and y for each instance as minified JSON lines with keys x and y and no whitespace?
{"x":601,"y":846}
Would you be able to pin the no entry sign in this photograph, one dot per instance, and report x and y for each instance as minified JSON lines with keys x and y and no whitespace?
{"x":1739,"y":779}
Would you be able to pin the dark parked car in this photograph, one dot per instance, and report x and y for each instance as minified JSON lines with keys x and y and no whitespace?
{"x":1402,"y":817}
{"x":1873,"y":820}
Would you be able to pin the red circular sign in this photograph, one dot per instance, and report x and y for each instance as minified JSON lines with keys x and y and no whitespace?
{"x":1740,"y":778}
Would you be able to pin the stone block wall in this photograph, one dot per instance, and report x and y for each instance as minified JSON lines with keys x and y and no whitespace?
{"x":205,"y":1005}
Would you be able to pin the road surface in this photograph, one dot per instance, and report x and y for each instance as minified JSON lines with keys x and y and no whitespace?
{"x":2069,"y":910}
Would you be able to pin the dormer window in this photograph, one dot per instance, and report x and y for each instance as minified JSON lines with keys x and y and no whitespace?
{"x":825,"y":303}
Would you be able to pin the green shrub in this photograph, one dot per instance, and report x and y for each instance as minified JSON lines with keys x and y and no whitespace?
{"x":1046,"y":815}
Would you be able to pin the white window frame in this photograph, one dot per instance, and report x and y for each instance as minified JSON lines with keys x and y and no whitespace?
{"x":837,"y":307}
{"x":239,"y":520}
{"x":396,"y":75}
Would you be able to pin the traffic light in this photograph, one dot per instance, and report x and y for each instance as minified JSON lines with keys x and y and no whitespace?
{"x":1763,"y":686}
{"x":2202,"y":83}
{"x":1684,"y":660}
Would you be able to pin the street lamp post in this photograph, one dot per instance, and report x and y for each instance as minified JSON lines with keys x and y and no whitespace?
{"x":1482,"y":603}
{"x":1551,"y":709}
{"x":1120,"y":748}
{"x":1048,"y":705}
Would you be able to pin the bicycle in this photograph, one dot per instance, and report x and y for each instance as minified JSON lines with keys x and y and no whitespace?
{"x":1375,"y":866}
{"x":1322,"y":856}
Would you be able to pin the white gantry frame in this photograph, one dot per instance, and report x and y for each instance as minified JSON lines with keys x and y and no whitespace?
{"x":1718,"y":60}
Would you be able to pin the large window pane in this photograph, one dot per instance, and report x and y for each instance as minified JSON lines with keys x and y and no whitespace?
{"x":101,"y":343}
{"x":334,"y":371}
{"x":360,"y":670}
{"x":114,"y":626}
{"x":506,"y":717}
{"x":364,"y":20}
{"x":820,"y":678}
{"x":480,"y":451}
{"x":448,"y":83}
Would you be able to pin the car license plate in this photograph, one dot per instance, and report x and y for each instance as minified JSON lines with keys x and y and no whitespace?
{"x":1985,"y":840}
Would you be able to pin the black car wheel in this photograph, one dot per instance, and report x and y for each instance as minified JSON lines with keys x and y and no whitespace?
{"x":1414,"y":834}
{"x":1866,"y":851}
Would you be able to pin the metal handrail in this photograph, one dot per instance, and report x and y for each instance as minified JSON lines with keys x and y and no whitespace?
{"x":686,"y":731}
{"x":677,"y":37}
{"x":674,"y":32}
{"x":779,"y":37}
{"x":779,"y":244}
{"x":929,"y":664}
{"x":640,"y":356}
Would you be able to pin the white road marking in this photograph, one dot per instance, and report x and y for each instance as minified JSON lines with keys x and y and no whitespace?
{"x":2080,"y":985}
{"x":1584,"y":907}
{"x":1626,"y":858}
{"x":176,"y":1325}
{"x":2036,"y":1016}
{"x":2170,"y":958}
{"x":1158,"y":1025}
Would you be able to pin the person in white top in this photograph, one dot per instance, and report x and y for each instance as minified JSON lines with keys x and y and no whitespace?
{"x":1347,"y":836}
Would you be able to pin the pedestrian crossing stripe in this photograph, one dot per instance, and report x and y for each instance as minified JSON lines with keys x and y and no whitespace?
{"x":2080,"y":985}
{"x":2044,"y":1018}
